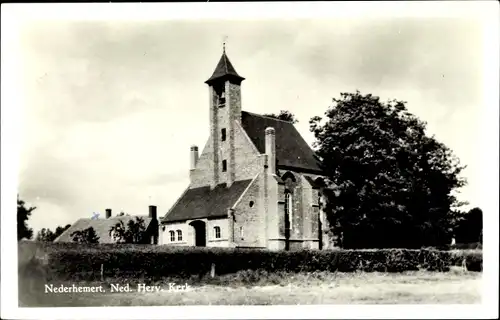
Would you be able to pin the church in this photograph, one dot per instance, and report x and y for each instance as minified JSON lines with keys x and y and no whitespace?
{"x":256,"y":183}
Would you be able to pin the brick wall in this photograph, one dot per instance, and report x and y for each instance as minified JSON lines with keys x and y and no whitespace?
{"x":203,"y":174}
{"x":187,"y":234}
{"x":276,"y":213}
{"x":247,"y":160}
{"x":238,"y":150}
{"x":234,"y":99}
{"x":310,"y":214}
{"x":250,"y":219}
{"x":212,"y":241}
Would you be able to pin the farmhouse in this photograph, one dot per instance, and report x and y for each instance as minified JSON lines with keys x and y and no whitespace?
{"x":256,"y":184}
{"x":102,"y":226}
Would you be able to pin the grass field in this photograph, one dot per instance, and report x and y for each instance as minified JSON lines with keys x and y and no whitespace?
{"x":454,"y":287}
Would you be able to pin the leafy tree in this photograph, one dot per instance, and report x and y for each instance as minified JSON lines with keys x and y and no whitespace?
{"x":132,"y":233}
{"x":23,"y":214}
{"x":283,"y":115}
{"x":470,"y":227}
{"x":85,"y":236}
{"x":60,"y":230}
{"x":393,"y":184}
{"x":46,"y":235}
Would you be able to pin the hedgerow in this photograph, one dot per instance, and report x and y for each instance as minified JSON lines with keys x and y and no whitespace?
{"x":84,"y":261}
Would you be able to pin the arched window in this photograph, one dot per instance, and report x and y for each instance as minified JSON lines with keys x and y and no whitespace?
{"x":241,"y":232}
{"x":172,"y":236}
{"x":217,"y":232}
{"x":289,"y":208}
{"x":179,"y":235}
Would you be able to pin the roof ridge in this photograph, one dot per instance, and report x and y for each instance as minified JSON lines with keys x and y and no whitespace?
{"x":225,"y":62}
{"x":267,"y":117}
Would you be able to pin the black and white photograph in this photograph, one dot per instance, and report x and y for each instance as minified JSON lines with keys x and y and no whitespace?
{"x":292,"y":156}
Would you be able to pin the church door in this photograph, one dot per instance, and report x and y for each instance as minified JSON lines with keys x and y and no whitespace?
{"x":200,"y":233}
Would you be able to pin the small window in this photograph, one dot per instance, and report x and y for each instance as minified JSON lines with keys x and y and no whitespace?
{"x":179,"y":235}
{"x":251,"y":204}
{"x":224,"y":165}
{"x":217,"y":232}
{"x":172,"y":236}
{"x":221,"y":96}
{"x":241,"y":232}
{"x":223,"y":134}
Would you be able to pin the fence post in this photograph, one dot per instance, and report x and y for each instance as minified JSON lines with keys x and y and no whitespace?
{"x":212,"y":270}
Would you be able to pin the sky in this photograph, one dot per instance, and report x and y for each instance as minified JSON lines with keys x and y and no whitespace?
{"x":111,"y":108}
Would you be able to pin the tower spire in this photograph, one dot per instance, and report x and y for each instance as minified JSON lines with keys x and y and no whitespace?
{"x":224,"y":70}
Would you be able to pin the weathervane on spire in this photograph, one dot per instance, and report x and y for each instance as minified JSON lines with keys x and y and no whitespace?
{"x":224,"y":44}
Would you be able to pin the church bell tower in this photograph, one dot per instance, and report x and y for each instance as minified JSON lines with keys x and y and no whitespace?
{"x":225,"y":109}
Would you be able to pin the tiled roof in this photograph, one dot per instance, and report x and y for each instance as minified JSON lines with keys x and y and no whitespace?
{"x":205,"y":203}
{"x":291,"y":149}
{"x":101,"y":227}
{"x":224,"y":69}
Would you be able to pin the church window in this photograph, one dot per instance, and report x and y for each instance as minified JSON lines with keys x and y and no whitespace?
{"x":251,"y":204}
{"x":179,"y":235}
{"x":289,"y":208}
{"x":172,"y":236}
{"x":221,"y":95}
{"x":241,"y":232}
{"x":217,"y":232}
{"x":224,"y":165}
{"x":223,"y":134}
{"x":222,"y":100}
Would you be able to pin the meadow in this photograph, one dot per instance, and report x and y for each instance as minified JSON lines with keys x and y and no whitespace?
{"x":454,"y":284}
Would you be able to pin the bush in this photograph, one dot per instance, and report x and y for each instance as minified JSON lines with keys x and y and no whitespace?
{"x":473,"y":259}
{"x":154,"y":262}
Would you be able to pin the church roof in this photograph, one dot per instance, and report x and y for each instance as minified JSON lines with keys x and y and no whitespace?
{"x":224,"y":69}
{"x":292,"y":151}
{"x":101,"y":227}
{"x":203,"y":202}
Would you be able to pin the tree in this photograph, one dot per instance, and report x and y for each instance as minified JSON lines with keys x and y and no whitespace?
{"x":46,"y":235}
{"x":23,"y":214}
{"x":60,"y":230}
{"x":283,"y":115}
{"x":132,"y":233}
{"x":393,"y":184}
{"x":470,"y":228}
{"x":85,"y":236}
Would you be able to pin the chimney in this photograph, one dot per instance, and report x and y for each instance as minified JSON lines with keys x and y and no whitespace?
{"x":108,"y":213}
{"x":271,"y":149}
{"x":152,"y":212}
{"x":194,"y":157}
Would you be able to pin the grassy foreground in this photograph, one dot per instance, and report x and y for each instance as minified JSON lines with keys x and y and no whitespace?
{"x":253,"y":288}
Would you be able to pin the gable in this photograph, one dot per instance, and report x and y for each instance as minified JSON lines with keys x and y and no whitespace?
{"x":203,"y":173}
{"x":292,"y":150}
{"x":203,"y":202}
